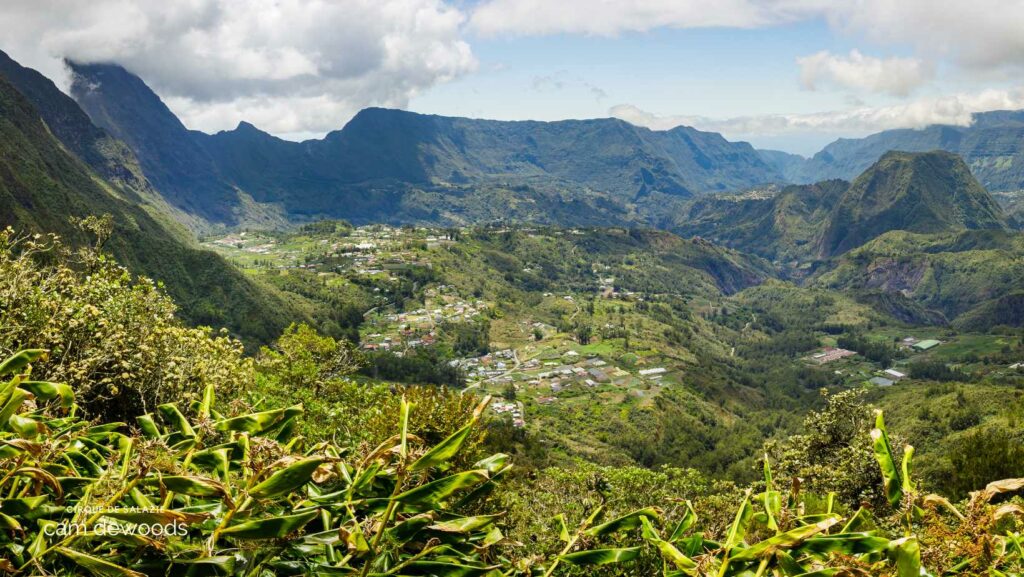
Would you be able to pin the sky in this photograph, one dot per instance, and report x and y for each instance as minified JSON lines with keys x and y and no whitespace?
{"x":784,"y":74}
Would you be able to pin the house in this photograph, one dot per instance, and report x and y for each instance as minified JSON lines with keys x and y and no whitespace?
{"x":829,"y":354}
{"x":598,"y":375}
{"x":881,"y":382}
{"x":651,"y":372}
{"x":894,"y":374}
{"x":926,"y":344}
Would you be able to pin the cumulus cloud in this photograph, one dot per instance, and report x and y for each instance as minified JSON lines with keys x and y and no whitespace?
{"x":293,"y":66}
{"x":612,"y":17}
{"x":896,"y":76}
{"x":980,"y":35}
{"x":954,"y":109}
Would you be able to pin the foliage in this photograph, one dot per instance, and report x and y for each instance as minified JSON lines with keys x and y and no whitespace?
{"x":423,"y":365}
{"x":114,"y":339}
{"x":302,"y":358}
{"x":236,"y":495}
{"x":228,"y":495}
{"x":833,"y":456}
{"x":317,"y":371}
{"x":936,"y":371}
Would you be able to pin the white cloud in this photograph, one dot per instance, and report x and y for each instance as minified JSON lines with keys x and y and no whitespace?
{"x":980,"y":34}
{"x":896,"y":76}
{"x":954,"y":109}
{"x":294,"y":65}
{"x":612,"y":17}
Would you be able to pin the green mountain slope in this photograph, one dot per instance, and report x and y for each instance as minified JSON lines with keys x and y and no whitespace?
{"x":973,"y":277}
{"x":42,"y":187}
{"x":917,"y":192}
{"x":782,"y":226}
{"x":121,"y":104}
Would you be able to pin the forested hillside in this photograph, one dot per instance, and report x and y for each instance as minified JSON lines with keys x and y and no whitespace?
{"x":46,"y":190}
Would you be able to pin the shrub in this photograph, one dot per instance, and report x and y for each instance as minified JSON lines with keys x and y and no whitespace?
{"x":113,"y":338}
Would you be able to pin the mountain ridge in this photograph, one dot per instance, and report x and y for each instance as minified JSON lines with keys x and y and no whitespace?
{"x":386,"y":155}
{"x":992,"y":145}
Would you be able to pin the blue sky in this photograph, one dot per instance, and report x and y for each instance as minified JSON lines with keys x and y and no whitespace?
{"x":786,"y":74}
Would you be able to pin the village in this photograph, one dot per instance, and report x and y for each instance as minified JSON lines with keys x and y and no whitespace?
{"x":537,"y":369}
{"x":375,"y":250}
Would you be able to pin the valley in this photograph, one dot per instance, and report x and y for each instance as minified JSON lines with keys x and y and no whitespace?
{"x":618,"y":346}
{"x":292,"y":347}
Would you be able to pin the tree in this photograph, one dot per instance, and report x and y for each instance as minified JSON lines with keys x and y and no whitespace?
{"x":834,"y":454}
{"x":584,"y":332}
{"x":304,"y":358}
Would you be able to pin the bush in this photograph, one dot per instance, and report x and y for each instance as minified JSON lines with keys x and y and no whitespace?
{"x":114,"y":338}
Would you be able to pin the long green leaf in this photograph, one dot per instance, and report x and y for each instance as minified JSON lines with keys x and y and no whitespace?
{"x":21,"y":359}
{"x":787,"y":540}
{"x":845,"y":543}
{"x":601,"y":556}
{"x":48,"y":391}
{"x":14,"y":402}
{"x":270,"y":528}
{"x":436,"y":491}
{"x":891,"y":478}
{"x":97,"y":566}
{"x":288,"y":479}
{"x":258,"y":422}
{"x":626,"y":522}
{"x":464,"y":524}
{"x":906,"y":552}
{"x":176,"y":419}
{"x":443,"y":451}
{"x":443,"y":569}
{"x":738,"y":529}
{"x":689,"y":520}
{"x":404,"y":427}
{"x":190,"y":485}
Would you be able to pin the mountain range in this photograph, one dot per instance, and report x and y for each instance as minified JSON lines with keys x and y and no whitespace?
{"x":992,"y":145}
{"x":925,"y":192}
{"x":366,"y":169}
{"x":393,"y":165}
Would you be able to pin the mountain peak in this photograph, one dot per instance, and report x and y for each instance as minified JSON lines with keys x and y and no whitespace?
{"x":123,"y":105}
{"x":925,"y":192}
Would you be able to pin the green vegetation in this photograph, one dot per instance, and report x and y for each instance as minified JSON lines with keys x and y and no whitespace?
{"x":684,"y":455}
{"x":971,"y":278}
{"x":203,"y":492}
{"x":44,"y":190}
